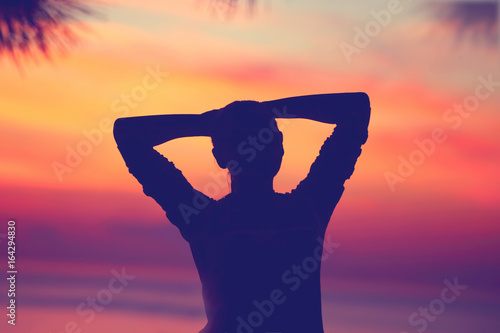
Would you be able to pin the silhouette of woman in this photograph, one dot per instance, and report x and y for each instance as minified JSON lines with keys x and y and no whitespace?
{"x":258,"y":252}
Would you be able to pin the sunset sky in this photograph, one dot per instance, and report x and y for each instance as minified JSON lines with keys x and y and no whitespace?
{"x":403,"y":227}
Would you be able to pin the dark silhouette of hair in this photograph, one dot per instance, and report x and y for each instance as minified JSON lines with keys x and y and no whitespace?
{"x":236,"y":124}
{"x":236,"y":121}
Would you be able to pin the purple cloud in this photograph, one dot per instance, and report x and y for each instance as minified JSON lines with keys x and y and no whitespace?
{"x":474,"y":20}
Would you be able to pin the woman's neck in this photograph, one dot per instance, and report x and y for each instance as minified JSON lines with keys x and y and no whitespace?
{"x":252,"y":187}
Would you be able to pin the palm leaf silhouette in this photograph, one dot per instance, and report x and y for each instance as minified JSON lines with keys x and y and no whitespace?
{"x":28,"y":27}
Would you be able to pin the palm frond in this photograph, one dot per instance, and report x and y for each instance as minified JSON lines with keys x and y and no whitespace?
{"x":28,"y":27}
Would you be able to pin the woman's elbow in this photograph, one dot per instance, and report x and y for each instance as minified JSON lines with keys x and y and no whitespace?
{"x":121,"y":130}
{"x":363,"y":100}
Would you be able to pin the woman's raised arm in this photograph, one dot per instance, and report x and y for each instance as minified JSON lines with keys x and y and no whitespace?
{"x":136,"y":138}
{"x":154,"y":130}
{"x":324,"y":184}
{"x":327,"y":108}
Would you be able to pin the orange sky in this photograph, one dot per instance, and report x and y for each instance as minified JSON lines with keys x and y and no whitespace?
{"x":414,"y":72}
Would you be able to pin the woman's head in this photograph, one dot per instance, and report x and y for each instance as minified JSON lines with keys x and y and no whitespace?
{"x":247,"y":140}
